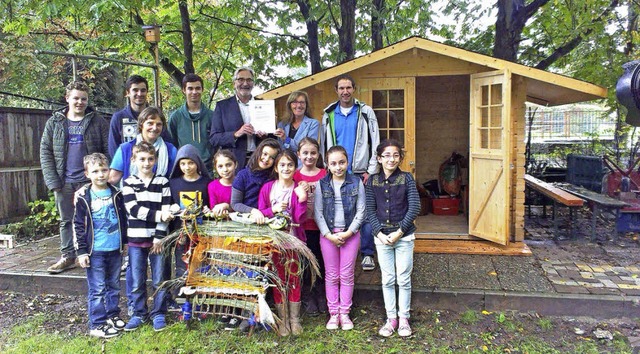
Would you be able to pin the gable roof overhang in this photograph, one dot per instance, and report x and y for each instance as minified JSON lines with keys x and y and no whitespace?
{"x":543,"y":87}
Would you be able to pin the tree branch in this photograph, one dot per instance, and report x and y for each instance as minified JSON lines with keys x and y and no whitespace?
{"x":573,"y":43}
{"x":531,"y":9}
{"x":212,"y":17}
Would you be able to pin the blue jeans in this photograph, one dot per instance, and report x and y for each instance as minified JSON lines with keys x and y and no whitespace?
{"x":396,"y":265}
{"x":139,"y":259}
{"x":64,"y":204}
{"x":103,"y":280}
{"x":367,"y":246}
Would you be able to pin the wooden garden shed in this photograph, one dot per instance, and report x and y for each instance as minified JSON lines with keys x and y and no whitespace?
{"x":437,"y":99}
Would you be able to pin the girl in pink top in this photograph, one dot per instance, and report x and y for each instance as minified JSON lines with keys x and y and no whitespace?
{"x":284,"y":196}
{"x":311,"y":171}
{"x":219,"y":189}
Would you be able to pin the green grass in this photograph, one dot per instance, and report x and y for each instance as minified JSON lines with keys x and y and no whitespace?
{"x":545,"y":324}
{"x":470,"y":317}
{"x":435,"y":332}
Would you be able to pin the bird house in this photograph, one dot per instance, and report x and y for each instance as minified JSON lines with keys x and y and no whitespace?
{"x":152,"y":33}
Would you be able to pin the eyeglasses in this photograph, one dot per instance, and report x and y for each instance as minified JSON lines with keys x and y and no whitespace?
{"x":390,"y":156}
{"x":243,"y":80}
{"x":299,"y":103}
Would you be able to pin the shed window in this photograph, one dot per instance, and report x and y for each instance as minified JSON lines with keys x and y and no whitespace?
{"x":491,"y":116}
{"x":389,"y":106}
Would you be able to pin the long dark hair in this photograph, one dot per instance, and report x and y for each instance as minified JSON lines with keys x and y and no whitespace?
{"x":335,"y":149}
{"x":255,"y":157}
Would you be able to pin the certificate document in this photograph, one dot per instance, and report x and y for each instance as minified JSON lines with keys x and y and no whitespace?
{"x":263,"y":115}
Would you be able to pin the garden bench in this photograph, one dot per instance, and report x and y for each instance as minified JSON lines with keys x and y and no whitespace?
{"x":559,"y":198}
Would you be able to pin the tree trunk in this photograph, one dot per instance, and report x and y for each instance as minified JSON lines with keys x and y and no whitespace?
{"x":512,"y":17}
{"x":187,"y":40}
{"x":312,"y":36}
{"x":347,"y":31}
{"x":377,"y":23}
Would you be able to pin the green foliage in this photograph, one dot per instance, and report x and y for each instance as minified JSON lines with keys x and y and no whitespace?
{"x":42,"y":222}
{"x":470,"y":317}
{"x":545,"y":324}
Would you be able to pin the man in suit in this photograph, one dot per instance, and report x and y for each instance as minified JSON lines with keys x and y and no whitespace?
{"x":231,"y":125}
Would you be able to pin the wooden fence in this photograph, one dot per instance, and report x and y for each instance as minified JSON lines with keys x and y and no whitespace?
{"x":21,"y":178}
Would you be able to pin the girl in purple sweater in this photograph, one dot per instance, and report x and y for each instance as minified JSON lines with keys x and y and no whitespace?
{"x":286,"y":197}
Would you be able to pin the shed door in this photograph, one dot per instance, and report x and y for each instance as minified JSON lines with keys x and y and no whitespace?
{"x":393,"y":100}
{"x":489,"y":156}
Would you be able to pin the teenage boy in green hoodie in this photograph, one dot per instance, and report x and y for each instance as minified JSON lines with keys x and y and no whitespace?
{"x":191,"y":123}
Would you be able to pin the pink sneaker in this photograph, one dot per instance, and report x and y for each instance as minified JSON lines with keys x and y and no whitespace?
{"x":345,"y":322}
{"x":404,"y":330}
{"x":334,"y":322}
{"x":389,"y":327}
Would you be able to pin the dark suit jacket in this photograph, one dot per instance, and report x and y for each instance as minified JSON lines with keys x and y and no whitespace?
{"x":225,"y":121}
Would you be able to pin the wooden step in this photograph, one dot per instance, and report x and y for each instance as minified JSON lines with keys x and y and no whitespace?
{"x":471,"y":247}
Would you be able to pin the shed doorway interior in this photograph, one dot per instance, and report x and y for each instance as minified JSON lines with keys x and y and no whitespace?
{"x":441,"y":108}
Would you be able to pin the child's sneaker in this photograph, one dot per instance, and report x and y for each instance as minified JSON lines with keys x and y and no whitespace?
{"x":103,"y":331}
{"x":159,"y":323}
{"x":334,"y":322}
{"x":345,"y":322}
{"x":389,"y":327}
{"x":117,"y":323}
{"x":233,"y":324}
{"x":134,"y":323}
{"x":404,"y":330}
{"x":125,"y":264}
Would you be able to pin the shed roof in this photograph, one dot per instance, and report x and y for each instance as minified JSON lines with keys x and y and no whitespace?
{"x":543,"y":87}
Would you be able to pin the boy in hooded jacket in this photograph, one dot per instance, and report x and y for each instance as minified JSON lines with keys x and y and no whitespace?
{"x":189,"y":180}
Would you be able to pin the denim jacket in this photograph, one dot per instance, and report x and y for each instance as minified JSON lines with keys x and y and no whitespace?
{"x":353,"y":203}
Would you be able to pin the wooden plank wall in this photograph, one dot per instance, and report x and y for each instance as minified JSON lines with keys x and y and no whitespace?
{"x":442,"y":122}
{"x":518,"y":98}
{"x":21,"y":178}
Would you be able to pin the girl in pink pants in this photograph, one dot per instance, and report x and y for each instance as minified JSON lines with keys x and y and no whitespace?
{"x":339,"y":213}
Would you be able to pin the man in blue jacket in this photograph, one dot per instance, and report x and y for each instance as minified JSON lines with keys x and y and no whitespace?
{"x":124,"y":123}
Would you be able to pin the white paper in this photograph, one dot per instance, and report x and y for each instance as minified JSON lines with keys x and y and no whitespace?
{"x":263,"y":115}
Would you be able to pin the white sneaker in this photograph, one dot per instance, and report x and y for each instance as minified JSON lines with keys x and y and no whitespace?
{"x":404,"y":330}
{"x":104,"y":331}
{"x":368,"y":263}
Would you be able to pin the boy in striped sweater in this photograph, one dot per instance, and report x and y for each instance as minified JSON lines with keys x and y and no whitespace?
{"x":147,"y":199}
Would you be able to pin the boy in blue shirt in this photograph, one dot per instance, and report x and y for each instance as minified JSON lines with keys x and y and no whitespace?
{"x":99,"y":233}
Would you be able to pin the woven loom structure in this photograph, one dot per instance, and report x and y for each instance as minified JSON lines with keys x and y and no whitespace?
{"x":230,"y":266}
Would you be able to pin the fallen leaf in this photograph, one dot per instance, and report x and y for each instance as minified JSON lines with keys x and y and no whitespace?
{"x":493,"y":273}
{"x":485,"y":312}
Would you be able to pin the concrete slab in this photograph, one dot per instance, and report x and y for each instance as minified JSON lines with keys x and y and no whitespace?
{"x":472,"y":272}
{"x":522,"y":274}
